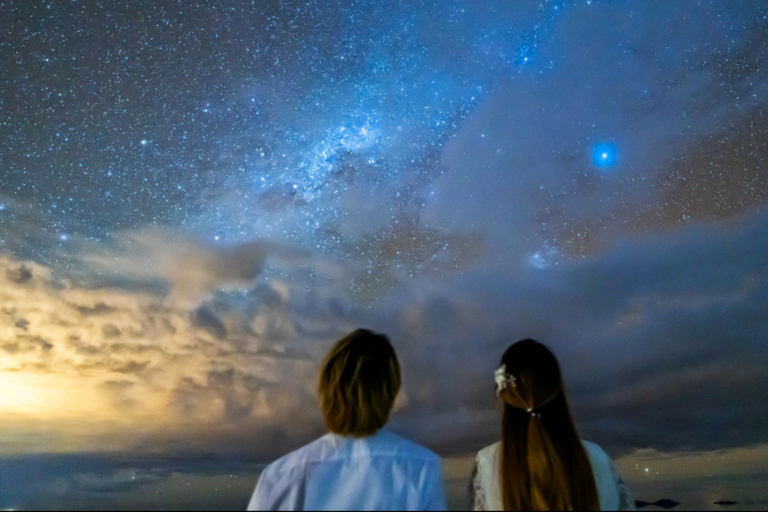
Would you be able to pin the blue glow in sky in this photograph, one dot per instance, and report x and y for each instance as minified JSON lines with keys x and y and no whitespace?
{"x":604,"y":155}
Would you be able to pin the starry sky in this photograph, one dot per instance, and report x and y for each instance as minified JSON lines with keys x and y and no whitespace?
{"x":198,"y":198}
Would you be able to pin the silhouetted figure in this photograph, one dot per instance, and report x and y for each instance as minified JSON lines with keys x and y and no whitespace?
{"x":357,"y":466}
{"x":540,"y":462}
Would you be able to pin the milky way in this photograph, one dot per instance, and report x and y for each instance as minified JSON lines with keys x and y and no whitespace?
{"x":211,"y":117}
{"x":244,"y":120}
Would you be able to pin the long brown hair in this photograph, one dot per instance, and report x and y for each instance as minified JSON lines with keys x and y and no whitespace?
{"x":543,"y":463}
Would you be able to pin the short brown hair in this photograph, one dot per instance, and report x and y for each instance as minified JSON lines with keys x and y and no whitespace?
{"x":359,"y":381}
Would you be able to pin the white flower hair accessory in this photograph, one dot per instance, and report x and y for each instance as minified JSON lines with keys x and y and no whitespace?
{"x":503,"y":379}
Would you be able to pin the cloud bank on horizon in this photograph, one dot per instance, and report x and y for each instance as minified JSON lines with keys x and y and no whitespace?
{"x":646,"y":345}
{"x":591,"y":174}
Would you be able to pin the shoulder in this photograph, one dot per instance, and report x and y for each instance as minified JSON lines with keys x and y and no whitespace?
{"x":401,"y":447}
{"x":611,"y":489}
{"x":299,"y":458}
{"x":596,"y":454}
{"x":485,"y":482}
{"x":487,"y":461}
{"x":593,"y":448}
{"x":489,"y":453}
{"x":280,"y":480}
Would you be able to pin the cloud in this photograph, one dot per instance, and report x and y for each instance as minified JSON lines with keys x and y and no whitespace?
{"x":654,"y":355}
{"x":116,"y":368}
{"x":122,"y":357}
{"x":188,"y":266}
{"x":18,"y":275}
{"x":206,"y":319}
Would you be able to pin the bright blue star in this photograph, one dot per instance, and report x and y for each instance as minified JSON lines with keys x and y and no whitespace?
{"x":604,"y":155}
{"x":525,"y":53}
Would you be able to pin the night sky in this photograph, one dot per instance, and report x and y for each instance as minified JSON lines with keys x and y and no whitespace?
{"x":198,"y":198}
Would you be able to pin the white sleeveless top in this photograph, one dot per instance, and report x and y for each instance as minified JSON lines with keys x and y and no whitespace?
{"x":611,"y":489}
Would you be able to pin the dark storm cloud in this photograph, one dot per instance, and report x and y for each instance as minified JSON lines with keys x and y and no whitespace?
{"x":648,"y":344}
{"x":219,"y":367}
{"x":240,"y":391}
{"x":206,"y":319}
{"x":649,"y":333}
{"x":99,"y":309}
{"x":18,"y":275}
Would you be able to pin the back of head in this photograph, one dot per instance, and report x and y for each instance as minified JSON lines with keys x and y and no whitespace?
{"x":543,"y":463}
{"x":359,"y":381}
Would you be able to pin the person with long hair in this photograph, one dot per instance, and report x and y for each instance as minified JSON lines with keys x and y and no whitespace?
{"x":358,"y":465}
{"x":541,"y":463}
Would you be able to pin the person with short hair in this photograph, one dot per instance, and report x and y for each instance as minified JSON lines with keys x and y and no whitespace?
{"x":541,"y":463}
{"x":358,"y":465}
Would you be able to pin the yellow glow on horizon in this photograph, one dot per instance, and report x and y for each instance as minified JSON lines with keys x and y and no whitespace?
{"x":49,"y":396}
{"x":69,"y":412}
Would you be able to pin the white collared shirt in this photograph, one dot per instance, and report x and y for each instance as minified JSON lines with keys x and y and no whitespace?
{"x":379,"y":472}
